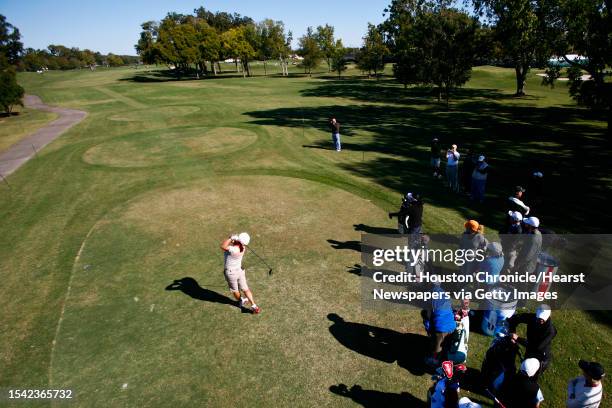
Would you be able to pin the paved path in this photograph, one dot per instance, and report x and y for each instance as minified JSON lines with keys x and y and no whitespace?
{"x":23,"y":150}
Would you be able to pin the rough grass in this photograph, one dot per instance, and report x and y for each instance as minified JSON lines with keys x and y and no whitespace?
{"x":138,"y":228}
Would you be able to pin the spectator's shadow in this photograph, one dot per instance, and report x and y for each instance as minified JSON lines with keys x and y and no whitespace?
{"x":372,"y":398}
{"x":375,"y":230}
{"x":409,"y":350}
{"x":190,"y":287}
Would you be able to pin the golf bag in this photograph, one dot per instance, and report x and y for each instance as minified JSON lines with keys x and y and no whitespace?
{"x":499,"y":362}
{"x":445,"y":390}
{"x":457,"y":343}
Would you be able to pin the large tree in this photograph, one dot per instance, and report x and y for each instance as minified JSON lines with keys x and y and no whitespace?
{"x":146,"y":46}
{"x":372,"y":54}
{"x":11,"y":93}
{"x":338,"y":61}
{"x":518,"y":29}
{"x":446,"y":42}
{"x":10,"y":44}
{"x":584,"y":27}
{"x":327,"y":43}
{"x":309,"y":50}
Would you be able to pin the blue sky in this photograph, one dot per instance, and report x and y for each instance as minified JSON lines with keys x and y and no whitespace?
{"x":114,"y":25}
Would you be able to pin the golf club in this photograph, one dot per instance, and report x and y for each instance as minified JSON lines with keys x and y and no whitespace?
{"x":498,"y":402}
{"x":261,"y":259}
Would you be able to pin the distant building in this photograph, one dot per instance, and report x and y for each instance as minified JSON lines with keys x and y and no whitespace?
{"x":561,"y":62}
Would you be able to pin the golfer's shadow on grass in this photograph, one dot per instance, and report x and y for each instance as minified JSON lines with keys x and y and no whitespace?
{"x":191,"y":288}
{"x":409,"y":350}
{"x":372,"y":398}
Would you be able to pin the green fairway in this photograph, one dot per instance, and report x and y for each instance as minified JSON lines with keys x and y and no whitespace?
{"x":141,"y":193}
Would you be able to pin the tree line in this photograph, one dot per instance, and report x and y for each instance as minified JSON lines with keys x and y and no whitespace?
{"x":61,"y":57}
{"x":200,"y":41}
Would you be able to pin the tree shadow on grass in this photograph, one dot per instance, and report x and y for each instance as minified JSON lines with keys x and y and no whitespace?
{"x":191,"y":288}
{"x":516,"y":139}
{"x":408,"y":350}
{"x":375,"y":399}
{"x":388,"y":91}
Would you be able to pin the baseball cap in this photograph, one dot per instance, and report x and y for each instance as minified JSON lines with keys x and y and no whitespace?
{"x":538,"y":174}
{"x":515,"y":215}
{"x":244,"y":238}
{"x":530,"y":366}
{"x":592,"y":368}
{"x":533,"y":221}
{"x":543,"y":312}
{"x":481,"y":158}
{"x":465,"y":402}
{"x":519,"y":188}
{"x":472,"y":225}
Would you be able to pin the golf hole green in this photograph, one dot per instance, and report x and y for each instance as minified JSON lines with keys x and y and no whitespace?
{"x":160,"y":147}
{"x":162,"y":112}
{"x":123,"y":326}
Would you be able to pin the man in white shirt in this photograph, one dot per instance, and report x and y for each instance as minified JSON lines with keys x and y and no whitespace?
{"x":452,"y":168}
{"x":586,"y":390}
{"x":234,"y":248}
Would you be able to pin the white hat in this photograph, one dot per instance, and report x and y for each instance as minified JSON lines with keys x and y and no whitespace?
{"x":543,"y":312}
{"x":538,"y":174}
{"x":465,"y":402}
{"x":494,"y":249}
{"x":530,"y":366}
{"x":410,"y":197}
{"x":515,"y":215}
{"x":533,"y":221}
{"x":244,"y":238}
{"x":481,"y":158}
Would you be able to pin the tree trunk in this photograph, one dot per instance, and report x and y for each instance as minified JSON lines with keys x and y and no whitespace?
{"x":521,"y":75}
{"x":236,"y":62}
{"x":214,"y":67}
{"x":265,"y":70}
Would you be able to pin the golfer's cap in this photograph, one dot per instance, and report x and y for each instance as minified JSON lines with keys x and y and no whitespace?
{"x":515,"y":215}
{"x":533,"y":221}
{"x":519,"y":189}
{"x":530,"y":366}
{"x":494,"y":248}
{"x":593,"y":369}
{"x":409,"y":197}
{"x":435,"y":139}
{"x":244,"y":238}
{"x":481,"y":158}
{"x":472,"y":225}
{"x":538,"y":174}
{"x":465,"y":402}
{"x":543,"y":312}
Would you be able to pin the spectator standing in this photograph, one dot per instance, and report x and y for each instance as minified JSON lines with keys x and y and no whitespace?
{"x":452,"y":168}
{"x":479,"y":179}
{"x":531,"y":246}
{"x":522,"y":390}
{"x":540,"y":334}
{"x":335,"y":130}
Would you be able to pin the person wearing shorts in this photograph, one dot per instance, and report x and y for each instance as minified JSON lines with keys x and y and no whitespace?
{"x":234,"y":249}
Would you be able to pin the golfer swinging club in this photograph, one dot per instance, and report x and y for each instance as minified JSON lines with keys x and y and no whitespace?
{"x":234,"y":248}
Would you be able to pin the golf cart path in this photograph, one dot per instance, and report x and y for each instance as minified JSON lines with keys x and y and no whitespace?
{"x":27,"y":147}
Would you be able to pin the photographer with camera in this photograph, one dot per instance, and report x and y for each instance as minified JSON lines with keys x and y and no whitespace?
{"x":410,"y":215}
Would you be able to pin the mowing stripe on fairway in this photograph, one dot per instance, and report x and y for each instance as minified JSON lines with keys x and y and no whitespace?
{"x":61,"y":317}
{"x":128,"y":101}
